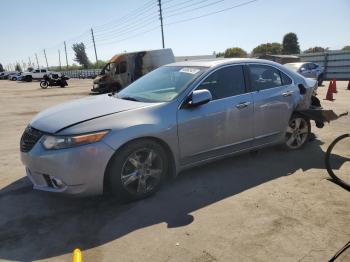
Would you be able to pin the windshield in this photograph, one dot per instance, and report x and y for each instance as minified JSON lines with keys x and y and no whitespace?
{"x":161,"y":85}
{"x":292,"y":66}
{"x":106,"y":68}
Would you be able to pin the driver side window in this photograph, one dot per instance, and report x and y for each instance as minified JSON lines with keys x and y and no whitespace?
{"x":225,"y":82}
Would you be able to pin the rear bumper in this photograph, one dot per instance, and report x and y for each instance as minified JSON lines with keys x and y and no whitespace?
{"x":72,"y":171}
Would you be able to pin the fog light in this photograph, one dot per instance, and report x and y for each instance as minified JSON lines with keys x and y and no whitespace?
{"x":57,"y":183}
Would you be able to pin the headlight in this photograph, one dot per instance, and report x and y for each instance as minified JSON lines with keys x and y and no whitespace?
{"x":95,"y":85}
{"x":59,"y":142}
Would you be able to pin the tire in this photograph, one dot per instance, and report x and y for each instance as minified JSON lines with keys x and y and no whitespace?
{"x":297,"y":133}
{"x":329,"y":166}
{"x":320,"y":80}
{"x":28,"y":79}
{"x":44,"y":84}
{"x":135,"y":173}
{"x":13,"y":78}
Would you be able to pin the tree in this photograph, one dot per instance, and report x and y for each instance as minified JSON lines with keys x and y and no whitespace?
{"x":235,"y":52}
{"x":80,"y":55}
{"x":316,"y":49}
{"x":290,"y":44}
{"x":346,"y":48}
{"x":268,"y":48}
{"x":18,"y":67}
{"x":220,"y":54}
{"x":1,"y":68}
{"x":99,"y":64}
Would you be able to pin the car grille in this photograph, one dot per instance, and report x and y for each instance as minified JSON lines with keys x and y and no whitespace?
{"x":29,"y":138}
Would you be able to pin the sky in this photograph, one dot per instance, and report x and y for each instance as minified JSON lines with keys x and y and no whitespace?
{"x":29,"y":27}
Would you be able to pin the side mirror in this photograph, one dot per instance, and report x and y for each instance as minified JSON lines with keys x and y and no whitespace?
{"x":302,"y":69}
{"x":200,"y":97}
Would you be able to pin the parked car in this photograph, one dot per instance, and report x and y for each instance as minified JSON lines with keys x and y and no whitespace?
{"x":177,"y":116}
{"x":14,"y":77}
{"x":308,"y":70}
{"x":6,"y":74}
{"x":125,"y":68}
{"x":36,"y":74}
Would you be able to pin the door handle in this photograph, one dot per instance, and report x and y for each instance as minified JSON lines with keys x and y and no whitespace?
{"x":288,"y":93}
{"x":243,"y":105}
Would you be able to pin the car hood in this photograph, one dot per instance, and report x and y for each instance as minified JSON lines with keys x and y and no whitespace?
{"x":68,"y":114}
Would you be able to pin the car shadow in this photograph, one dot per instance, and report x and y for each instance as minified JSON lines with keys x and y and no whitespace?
{"x":37,"y":225}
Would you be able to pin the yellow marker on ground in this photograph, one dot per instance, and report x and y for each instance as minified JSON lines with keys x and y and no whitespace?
{"x":77,"y":257}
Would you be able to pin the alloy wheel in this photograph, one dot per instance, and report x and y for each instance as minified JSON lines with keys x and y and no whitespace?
{"x":297,"y":133}
{"x":142,"y":171}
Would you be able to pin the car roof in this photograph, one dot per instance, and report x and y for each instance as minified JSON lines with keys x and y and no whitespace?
{"x":296,"y":63}
{"x":220,"y":61}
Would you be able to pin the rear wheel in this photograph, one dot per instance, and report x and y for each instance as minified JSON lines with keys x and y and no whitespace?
{"x":28,"y":78}
{"x":137,"y":170}
{"x":297,"y":133}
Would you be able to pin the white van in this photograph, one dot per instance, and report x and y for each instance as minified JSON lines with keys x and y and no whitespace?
{"x":125,"y":68}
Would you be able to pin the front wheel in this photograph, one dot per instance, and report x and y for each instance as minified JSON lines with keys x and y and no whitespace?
{"x":297,"y":133}
{"x":137,"y":170}
{"x":44,"y":84}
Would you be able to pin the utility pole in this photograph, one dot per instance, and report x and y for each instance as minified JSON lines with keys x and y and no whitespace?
{"x":47,"y":64}
{"x":37,"y":61}
{"x":65,"y":50}
{"x":93,"y":40}
{"x":59,"y":58}
{"x":161,"y":20}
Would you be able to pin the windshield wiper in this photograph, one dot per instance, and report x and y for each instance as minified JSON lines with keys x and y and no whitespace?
{"x":129,"y":98}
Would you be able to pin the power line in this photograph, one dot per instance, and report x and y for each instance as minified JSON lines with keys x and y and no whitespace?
{"x":133,"y":14}
{"x":128,"y":30}
{"x":127,"y":38}
{"x":211,"y":13}
{"x":181,"y":21}
{"x":141,"y":22}
{"x":176,"y":7}
{"x":195,"y":9}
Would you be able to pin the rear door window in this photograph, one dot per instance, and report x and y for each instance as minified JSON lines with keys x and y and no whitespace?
{"x":264,"y":77}
{"x":225,"y":82}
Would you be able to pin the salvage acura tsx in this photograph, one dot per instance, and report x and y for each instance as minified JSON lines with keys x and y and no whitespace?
{"x":177,"y":116}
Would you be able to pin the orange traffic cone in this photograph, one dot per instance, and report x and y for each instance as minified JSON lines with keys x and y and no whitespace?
{"x":329,"y":95}
{"x":349,"y":85}
{"x":335,"y":85}
{"x":330,"y":86}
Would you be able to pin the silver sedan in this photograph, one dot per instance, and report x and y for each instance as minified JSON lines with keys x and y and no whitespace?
{"x":178,"y":116}
{"x":308,"y":70}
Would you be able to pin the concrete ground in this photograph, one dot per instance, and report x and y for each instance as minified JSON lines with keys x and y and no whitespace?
{"x":273,"y":206}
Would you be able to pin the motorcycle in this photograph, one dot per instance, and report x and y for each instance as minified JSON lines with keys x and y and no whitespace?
{"x":53,"y":80}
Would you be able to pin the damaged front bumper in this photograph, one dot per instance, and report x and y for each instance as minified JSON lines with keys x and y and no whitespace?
{"x":320,"y":116}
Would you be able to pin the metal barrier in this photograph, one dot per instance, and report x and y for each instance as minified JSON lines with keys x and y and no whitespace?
{"x":335,"y":63}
